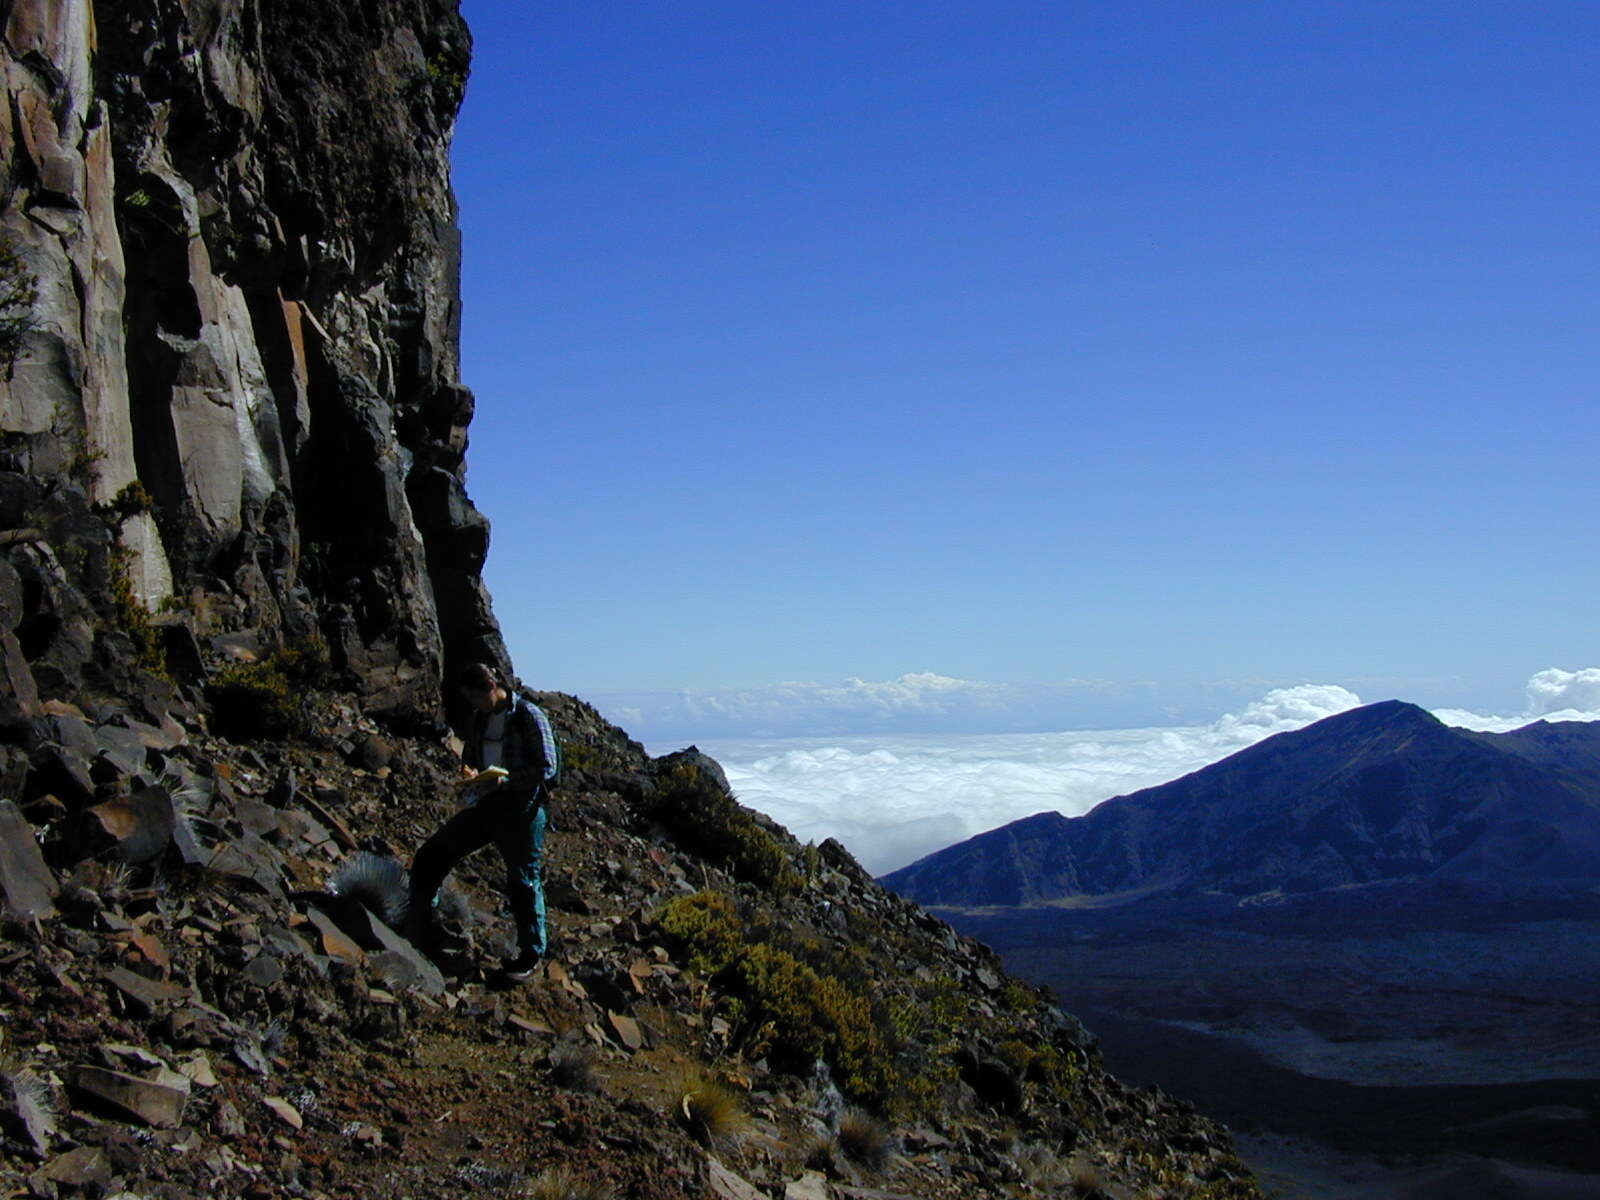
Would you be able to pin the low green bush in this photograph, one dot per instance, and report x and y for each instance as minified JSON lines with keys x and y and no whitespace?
{"x":708,"y":819}
{"x":270,"y":698}
{"x":782,"y":1007}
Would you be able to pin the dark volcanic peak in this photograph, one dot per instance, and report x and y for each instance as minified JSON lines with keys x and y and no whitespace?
{"x":1019,"y":863}
{"x":1386,"y":791}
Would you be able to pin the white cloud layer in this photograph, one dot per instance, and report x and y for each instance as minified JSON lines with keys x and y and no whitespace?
{"x":1553,"y":695}
{"x":895,"y":797}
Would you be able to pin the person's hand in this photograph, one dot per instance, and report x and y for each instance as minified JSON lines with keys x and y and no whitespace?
{"x":481,"y":783}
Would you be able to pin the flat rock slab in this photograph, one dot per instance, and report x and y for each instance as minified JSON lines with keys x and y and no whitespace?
{"x":723,"y":1184}
{"x":28,"y":885}
{"x":25,"y":1111}
{"x":335,"y":942}
{"x":149,"y":995}
{"x":123,"y":748}
{"x":627,"y":1030}
{"x":156,"y":1104}
{"x":83,"y":1168}
{"x":810,"y":1186}
{"x":285,"y":1112}
{"x":398,"y":963}
{"x":142,"y":823}
{"x":247,"y":858}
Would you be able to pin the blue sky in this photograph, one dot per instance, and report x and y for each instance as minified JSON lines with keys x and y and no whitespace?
{"x":1155,"y":345}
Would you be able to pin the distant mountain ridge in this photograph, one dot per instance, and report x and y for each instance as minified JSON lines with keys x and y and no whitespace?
{"x":1386,"y":791}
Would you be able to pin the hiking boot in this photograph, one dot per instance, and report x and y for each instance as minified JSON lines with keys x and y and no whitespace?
{"x":522,"y":967}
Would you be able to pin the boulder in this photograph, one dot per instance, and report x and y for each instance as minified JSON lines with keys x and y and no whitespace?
{"x":86,"y":1169}
{"x":723,"y":1184}
{"x":28,"y":884}
{"x":25,"y":1111}
{"x":157,"y":1104}
{"x":142,"y":824}
{"x":392,"y":958}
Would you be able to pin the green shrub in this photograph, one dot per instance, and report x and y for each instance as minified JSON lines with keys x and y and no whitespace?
{"x":708,"y":819}
{"x":1017,"y":998}
{"x":133,"y":618}
{"x":253,"y":700}
{"x":785,"y":1008}
{"x":271,"y":698}
{"x":707,"y":925}
{"x":580,"y":756}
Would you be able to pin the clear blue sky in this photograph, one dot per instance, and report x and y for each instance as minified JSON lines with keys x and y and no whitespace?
{"x":1027,"y":342}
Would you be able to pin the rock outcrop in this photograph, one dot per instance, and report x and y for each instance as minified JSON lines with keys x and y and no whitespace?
{"x":240,"y":399}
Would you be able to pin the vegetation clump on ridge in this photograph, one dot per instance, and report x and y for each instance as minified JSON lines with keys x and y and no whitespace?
{"x":702,"y":814}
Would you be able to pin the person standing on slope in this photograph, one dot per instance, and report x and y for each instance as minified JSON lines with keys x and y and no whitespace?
{"x":510,"y":759}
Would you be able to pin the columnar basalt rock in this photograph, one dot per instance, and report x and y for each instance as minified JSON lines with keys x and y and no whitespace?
{"x":244,"y":357}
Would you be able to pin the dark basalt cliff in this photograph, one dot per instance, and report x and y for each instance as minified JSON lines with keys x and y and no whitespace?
{"x":1381,"y":792}
{"x":239,"y":404}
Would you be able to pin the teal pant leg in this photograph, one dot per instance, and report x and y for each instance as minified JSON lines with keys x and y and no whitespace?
{"x":523,"y":849}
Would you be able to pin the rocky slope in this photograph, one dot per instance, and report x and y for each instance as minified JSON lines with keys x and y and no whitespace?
{"x":186,"y":1009}
{"x":1378,"y":793}
{"x":236,"y":561}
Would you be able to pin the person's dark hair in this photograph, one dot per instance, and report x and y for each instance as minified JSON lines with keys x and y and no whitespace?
{"x":478,"y":677}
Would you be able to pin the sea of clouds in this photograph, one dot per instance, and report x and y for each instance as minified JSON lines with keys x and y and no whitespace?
{"x":894,"y":797}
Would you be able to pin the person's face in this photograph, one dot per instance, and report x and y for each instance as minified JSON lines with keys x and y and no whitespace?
{"x":481,"y":698}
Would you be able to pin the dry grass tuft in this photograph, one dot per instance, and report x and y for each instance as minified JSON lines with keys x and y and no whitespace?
{"x":1087,"y":1181}
{"x":710,"y":1110}
{"x":572,"y":1067}
{"x":560,"y":1183}
{"x":1043,"y":1168}
{"x":865,"y":1140}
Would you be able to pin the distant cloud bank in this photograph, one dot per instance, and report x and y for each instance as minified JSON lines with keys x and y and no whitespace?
{"x":1553,"y":695}
{"x":919,"y":702}
{"x":893,"y":797}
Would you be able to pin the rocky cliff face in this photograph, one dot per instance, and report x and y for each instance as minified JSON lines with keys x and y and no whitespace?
{"x":239,"y":406}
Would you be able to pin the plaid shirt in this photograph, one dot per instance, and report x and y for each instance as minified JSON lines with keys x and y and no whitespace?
{"x":528,"y":745}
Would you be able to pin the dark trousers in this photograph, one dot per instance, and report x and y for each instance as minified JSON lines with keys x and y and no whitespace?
{"x":515,"y":825}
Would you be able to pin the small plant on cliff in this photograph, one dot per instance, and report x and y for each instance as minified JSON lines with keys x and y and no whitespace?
{"x":19,"y":292}
{"x":268,"y":699}
{"x":132,"y":617}
{"x":131,"y":500}
{"x":1088,"y":1183}
{"x":572,"y":1067}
